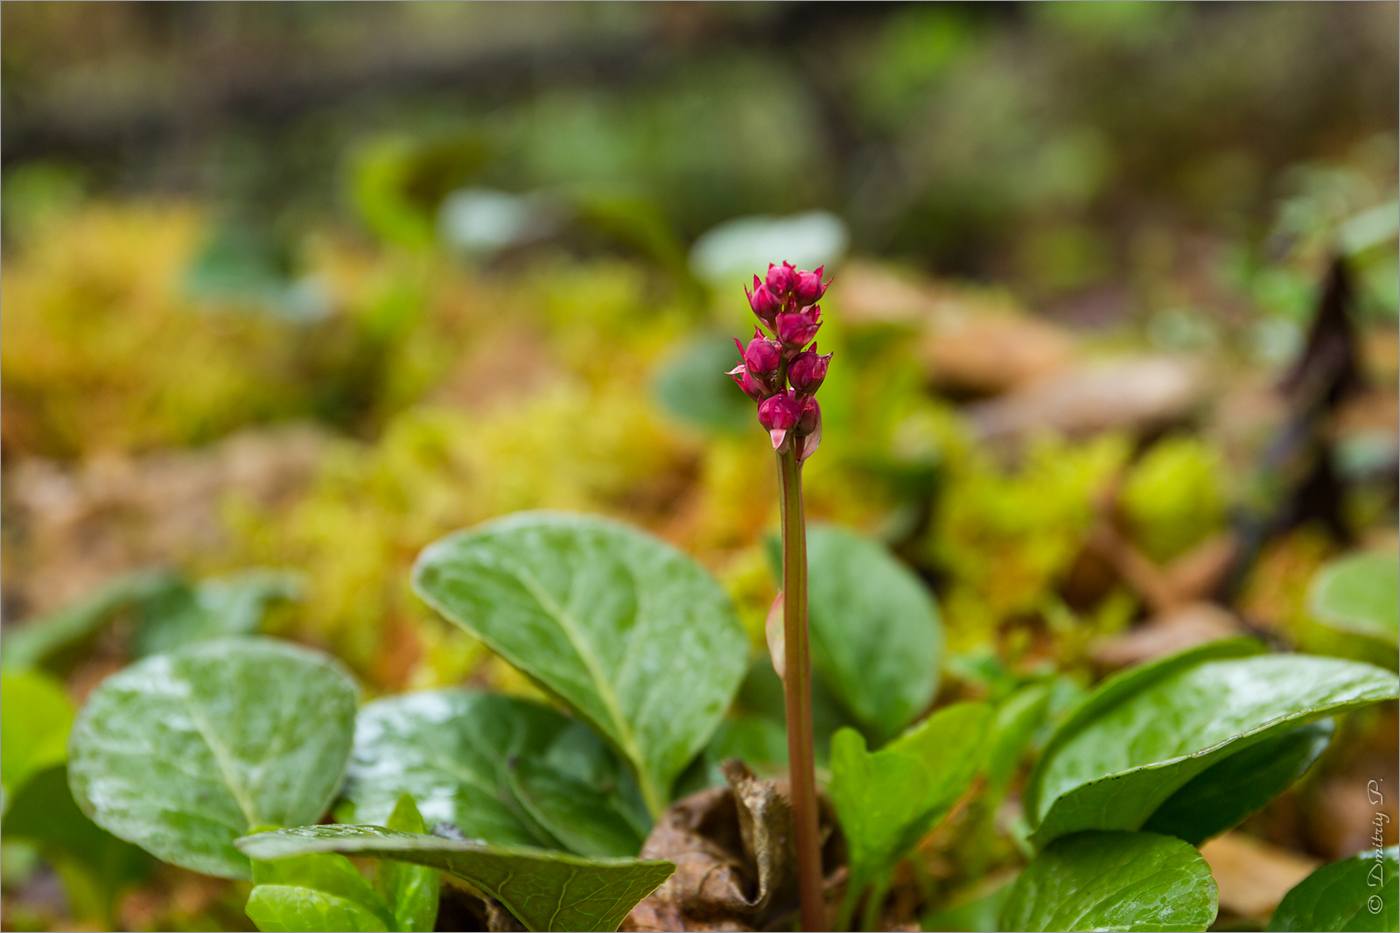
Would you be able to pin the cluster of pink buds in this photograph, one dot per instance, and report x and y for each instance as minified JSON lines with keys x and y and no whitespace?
{"x":782,"y":375}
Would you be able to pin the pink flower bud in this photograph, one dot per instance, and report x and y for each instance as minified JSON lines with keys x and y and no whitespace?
{"x":810,"y":287}
{"x":762,"y":356}
{"x":764,"y":303}
{"x":809,"y":415}
{"x":746,"y":382}
{"x":797,"y":328}
{"x":807,"y":370}
{"x":808,"y":428}
{"x":781,"y":279}
{"x":778,"y":415}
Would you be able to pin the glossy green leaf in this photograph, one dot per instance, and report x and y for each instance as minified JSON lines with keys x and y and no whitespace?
{"x":35,"y":715}
{"x":692,"y":385}
{"x":887,"y":800}
{"x":1360,"y":593}
{"x":1221,"y":796}
{"x":1146,"y":733}
{"x":875,"y":632}
{"x":307,"y":892}
{"x":543,"y":890}
{"x":502,"y":770}
{"x":1357,"y":893}
{"x":320,"y":875}
{"x":276,"y":907}
{"x":632,"y":635}
{"x":410,"y":891}
{"x":43,"y":812}
{"x":184,"y":752}
{"x":1113,"y":881}
{"x":40,"y":641}
{"x":228,"y":606}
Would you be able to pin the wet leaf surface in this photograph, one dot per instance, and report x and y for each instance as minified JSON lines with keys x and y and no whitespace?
{"x":1113,"y":881}
{"x":182,"y":753}
{"x":1145,"y":734}
{"x":631,"y":634}
{"x":544,"y":890}
{"x":503,"y":770}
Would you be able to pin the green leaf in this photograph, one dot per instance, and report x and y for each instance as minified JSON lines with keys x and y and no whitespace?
{"x":629,"y":633}
{"x":1360,"y":593}
{"x":323,"y":873}
{"x":502,"y":770}
{"x":889,"y":799}
{"x":875,"y":633}
{"x":1224,"y":794}
{"x":693,"y":385}
{"x":276,"y":907}
{"x":42,"y":640}
{"x":411,"y":891}
{"x":43,"y":812}
{"x":233,"y":605}
{"x":1145,"y":734}
{"x":1113,"y":881}
{"x":308,"y":892}
{"x":1357,"y":893}
{"x":35,"y":716}
{"x":543,"y":890}
{"x":182,"y":753}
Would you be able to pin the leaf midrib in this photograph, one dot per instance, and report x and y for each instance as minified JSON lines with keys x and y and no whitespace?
{"x":223,"y":760}
{"x":625,"y":737}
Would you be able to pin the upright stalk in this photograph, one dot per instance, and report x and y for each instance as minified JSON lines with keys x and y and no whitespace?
{"x":797,"y":688}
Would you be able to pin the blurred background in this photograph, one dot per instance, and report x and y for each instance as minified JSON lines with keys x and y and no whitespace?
{"x":292,"y":289}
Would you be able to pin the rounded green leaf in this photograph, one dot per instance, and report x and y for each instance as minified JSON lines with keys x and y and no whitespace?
{"x":1357,"y":893}
{"x":1360,"y":593}
{"x":35,"y":715}
{"x":543,"y":890}
{"x":629,"y":633}
{"x":1113,"y":881}
{"x":1144,"y":735}
{"x":184,"y":752}
{"x":888,"y":799}
{"x":503,"y":770}
{"x":875,"y":633}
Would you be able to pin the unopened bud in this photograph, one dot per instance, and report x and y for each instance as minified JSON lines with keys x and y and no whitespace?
{"x":764,"y":303}
{"x":810,"y":287}
{"x":781,"y":279}
{"x":807,"y":370}
{"x":746,"y":382}
{"x":808,"y":428}
{"x":797,"y":328}
{"x":761,"y":357}
{"x":779,"y":415}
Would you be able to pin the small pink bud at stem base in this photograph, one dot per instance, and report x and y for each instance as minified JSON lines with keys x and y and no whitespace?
{"x":777,"y":642}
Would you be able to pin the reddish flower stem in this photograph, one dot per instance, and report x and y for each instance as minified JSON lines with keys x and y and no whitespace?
{"x":797,"y":687}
